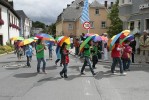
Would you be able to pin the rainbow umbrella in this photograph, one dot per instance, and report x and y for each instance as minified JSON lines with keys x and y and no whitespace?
{"x":114,"y":39}
{"x":17,"y":38}
{"x":26,"y":41}
{"x":63,"y":39}
{"x":130,"y":38}
{"x":91,"y":34}
{"x":85,"y":42}
{"x":97,"y":38}
{"x":124,"y":34}
{"x":45,"y":36}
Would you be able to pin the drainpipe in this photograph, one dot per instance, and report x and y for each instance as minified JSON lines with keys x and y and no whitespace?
{"x":8,"y":26}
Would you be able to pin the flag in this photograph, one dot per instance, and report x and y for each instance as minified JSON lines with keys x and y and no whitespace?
{"x":85,"y":13}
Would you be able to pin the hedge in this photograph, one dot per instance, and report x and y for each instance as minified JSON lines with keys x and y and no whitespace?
{"x":6,"y":49}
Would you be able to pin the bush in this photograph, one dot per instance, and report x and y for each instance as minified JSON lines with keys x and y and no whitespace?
{"x":6,"y":49}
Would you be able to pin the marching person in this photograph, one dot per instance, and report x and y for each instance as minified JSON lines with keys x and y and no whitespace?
{"x":105,"y":47}
{"x":94,"y":51}
{"x":116,"y":55}
{"x":50,"y":48}
{"x":64,"y":60}
{"x":144,"y":46}
{"x":40,"y":55}
{"x":87,"y":54}
{"x":77,"y":45}
{"x":58,"y":56}
{"x":127,"y":50}
{"x":133,"y":46}
{"x":29,"y":52}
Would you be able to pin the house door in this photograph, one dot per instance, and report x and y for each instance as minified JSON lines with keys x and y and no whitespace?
{"x":1,"y":39}
{"x":147,"y":24}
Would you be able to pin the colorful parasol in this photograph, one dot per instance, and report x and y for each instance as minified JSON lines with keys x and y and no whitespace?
{"x":124,"y":34}
{"x":45,"y":36}
{"x":26,"y":41}
{"x":114,"y":39}
{"x":16,"y":38}
{"x":63,"y":39}
{"x":85,"y":42}
{"x":104,"y":38}
{"x":91,"y":34}
{"x":130,"y":38}
{"x":97,"y":38}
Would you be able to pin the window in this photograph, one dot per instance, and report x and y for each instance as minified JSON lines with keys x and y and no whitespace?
{"x":103,"y":24}
{"x":81,"y":4}
{"x":97,"y":11}
{"x":92,"y":24}
{"x":132,"y":25}
{"x":70,"y":26}
{"x":123,"y":1}
{"x":0,"y":13}
{"x":147,"y":24}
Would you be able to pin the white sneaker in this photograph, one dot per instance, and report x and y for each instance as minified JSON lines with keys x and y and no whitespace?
{"x":123,"y":73}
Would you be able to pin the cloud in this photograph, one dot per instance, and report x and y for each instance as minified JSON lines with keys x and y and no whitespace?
{"x":43,"y":10}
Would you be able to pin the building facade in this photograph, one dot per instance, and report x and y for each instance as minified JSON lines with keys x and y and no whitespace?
{"x":134,"y":14}
{"x":25,"y":24}
{"x":68,"y":22}
{"x":9,"y":22}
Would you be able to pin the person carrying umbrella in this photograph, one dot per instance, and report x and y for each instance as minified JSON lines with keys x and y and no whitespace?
{"x":40,"y":55}
{"x":87,"y":60}
{"x":116,"y":55}
{"x":94,"y":51}
{"x":64,"y":60}
{"x":29,"y":53}
{"x":127,"y":50}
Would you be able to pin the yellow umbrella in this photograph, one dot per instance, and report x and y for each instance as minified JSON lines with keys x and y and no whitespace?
{"x":26,"y":41}
{"x":16,"y":38}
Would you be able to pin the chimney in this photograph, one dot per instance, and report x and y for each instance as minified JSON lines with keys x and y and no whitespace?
{"x":72,"y":2}
{"x":10,"y":2}
{"x":111,"y":4}
{"x":106,"y":4}
{"x":68,"y":5}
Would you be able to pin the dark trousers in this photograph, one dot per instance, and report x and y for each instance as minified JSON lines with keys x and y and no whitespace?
{"x":64,"y":70}
{"x":39,"y":62}
{"x":115,"y":62}
{"x":132,"y":54}
{"x":94,"y":60}
{"x":126,"y":63}
{"x":28,"y":60}
{"x":76,"y":50}
{"x":87,"y":61}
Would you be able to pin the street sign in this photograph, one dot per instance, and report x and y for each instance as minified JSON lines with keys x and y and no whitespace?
{"x":87,"y":25}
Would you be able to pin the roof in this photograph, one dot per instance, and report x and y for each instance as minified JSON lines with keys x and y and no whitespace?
{"x":76,"y":3}
{"x":96,"y":4}
{"x":7,"y":5}
{"x":21,"y":14}
{"x":72,"y":13}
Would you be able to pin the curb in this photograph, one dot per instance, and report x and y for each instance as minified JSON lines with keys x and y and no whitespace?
{"x":6,"y":53}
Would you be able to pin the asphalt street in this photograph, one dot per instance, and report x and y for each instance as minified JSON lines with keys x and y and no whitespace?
{"x":17,"y":82}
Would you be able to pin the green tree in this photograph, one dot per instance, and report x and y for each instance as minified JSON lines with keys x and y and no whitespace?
{"x":38,"y":24}
{"x":116,"y":23}
{"x":52,"y":29}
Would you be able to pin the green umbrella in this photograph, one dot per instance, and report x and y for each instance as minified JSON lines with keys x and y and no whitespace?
{"x":85,"y":42}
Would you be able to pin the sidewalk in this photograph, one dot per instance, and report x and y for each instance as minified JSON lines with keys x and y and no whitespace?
{"x":137,"y":57}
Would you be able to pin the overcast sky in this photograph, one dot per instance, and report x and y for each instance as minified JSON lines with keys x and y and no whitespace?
{"x":44,"y":10}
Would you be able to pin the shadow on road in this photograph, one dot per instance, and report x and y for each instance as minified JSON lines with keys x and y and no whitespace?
{"x":51,"y":67}
{"x":13,"y":61}
{"x":75,"y":67}
{"x":25,"y":75}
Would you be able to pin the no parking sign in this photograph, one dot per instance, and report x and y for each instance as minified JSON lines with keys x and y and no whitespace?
{"x":86,"y":25}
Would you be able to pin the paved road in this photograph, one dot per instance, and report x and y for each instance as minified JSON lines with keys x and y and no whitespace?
{"x":21,"y":83}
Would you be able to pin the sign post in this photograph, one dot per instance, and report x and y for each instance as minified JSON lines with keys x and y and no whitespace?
{"x":87,"y":26}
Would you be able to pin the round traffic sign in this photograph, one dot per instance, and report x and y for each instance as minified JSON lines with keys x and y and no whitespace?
{"x":86,"y":25}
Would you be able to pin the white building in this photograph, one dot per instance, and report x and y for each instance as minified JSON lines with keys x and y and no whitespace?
{"x":10,"y":27}
{"x":25,"y":24}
